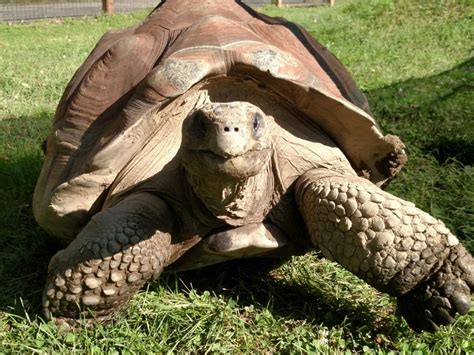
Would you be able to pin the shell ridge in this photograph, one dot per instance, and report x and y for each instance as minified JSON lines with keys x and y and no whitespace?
{"x":327,"y":61}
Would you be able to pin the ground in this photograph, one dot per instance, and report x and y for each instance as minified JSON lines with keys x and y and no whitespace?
{"x":412,"y":59}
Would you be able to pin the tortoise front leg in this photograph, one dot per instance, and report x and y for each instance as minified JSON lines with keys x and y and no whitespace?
{"x":389,"y":243}
{"x":112,"y":258}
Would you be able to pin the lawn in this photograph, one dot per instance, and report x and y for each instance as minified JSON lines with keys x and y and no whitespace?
{"x":413,"y":61}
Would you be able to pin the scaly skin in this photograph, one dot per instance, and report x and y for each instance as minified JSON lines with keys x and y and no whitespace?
{"x":389,"y":243}
{"x":117,"y":252}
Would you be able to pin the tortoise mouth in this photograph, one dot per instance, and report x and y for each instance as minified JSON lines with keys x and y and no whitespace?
{"x":205,"y":161}
{"x":244,"y":160}
{"x":225,"y":156}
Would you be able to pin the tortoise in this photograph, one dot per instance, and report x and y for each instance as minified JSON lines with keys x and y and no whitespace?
{"x":211,"y":132}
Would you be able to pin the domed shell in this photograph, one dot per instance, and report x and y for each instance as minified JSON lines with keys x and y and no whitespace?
{"x":133,"y":71}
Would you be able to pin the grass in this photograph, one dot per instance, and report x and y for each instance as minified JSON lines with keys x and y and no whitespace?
{"x":34,"y":2}
{"x":412,"y":59}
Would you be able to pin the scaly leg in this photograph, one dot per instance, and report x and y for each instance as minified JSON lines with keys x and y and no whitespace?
{"x":390,"y":244}
{"x":112,"y":258}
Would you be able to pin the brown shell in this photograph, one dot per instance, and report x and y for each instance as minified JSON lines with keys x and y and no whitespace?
{"x":142,"y":68}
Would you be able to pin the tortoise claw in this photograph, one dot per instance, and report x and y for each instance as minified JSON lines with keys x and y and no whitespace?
{"x":419,"y":315}
{"x":461,"y":302}
{"x":442,"y":316}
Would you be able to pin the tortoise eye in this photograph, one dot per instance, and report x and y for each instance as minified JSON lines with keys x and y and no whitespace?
{"x":257,"y":121}
{"x":257,"y":124}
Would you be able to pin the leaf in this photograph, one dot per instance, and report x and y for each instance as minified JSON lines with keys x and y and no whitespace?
{"x":70,"y":338}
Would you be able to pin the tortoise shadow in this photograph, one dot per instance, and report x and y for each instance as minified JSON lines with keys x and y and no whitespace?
{"x":432,"y":113}
{"x":254,"y":283}
{"x":24,"y":252}
{"x":447,"y":150}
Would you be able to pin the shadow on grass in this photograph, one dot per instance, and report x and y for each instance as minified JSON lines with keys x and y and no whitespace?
{"x":447,"y":150}
{"x":24,"y":253}
{"x":425,"y":112}
{"x":252,"y":282}
{"x":432,"y":113}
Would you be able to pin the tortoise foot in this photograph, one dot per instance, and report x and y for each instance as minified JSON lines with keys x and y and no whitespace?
{"x":446,"y":293}
{"x":391,"y":244}
{"x":109,"y":261}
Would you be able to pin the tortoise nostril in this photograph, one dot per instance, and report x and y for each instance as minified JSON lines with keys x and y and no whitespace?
{"x":228,"y":129}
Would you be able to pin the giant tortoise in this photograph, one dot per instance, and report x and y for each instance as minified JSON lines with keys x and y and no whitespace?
{"x":211,"y":132}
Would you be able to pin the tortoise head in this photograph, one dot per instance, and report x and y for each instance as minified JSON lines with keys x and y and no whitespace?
{"x":226,"y":139}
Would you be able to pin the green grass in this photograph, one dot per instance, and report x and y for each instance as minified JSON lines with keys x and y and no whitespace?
{"x":412,"y":59}
{"x":34,"y":2}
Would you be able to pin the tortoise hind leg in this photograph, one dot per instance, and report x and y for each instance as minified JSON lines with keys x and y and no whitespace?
{"x":112,"y":258}
{"x":389,"y":243}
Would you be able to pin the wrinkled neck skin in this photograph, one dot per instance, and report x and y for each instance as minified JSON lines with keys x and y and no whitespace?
{"x":235,"y":201}
{"x":226,"y":152}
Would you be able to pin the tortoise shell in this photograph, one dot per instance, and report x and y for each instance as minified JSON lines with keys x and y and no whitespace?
{"x":141,"y":69}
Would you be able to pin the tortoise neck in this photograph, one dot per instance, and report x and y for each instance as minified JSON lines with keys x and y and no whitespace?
{"x":235,"y":201}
